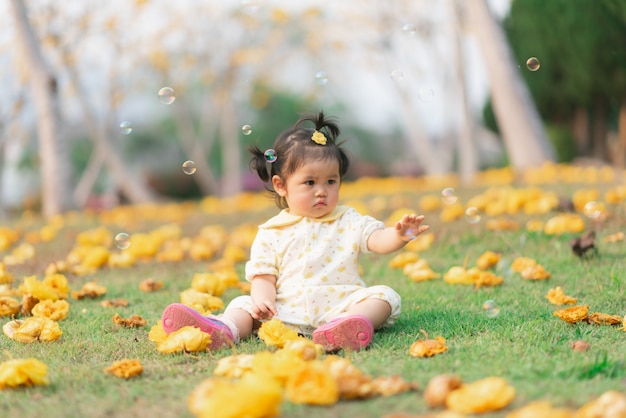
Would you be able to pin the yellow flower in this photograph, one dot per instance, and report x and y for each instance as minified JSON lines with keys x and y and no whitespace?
{"x":486,"y":395}
{"x":235,"y":366}
{"x":540,"y":409}
{"x":403,"y":258}
{"x":125,"y":368}
{"x":23,"y":372}
{"x":187,"y":339}
{"x":319,"y":138}
{"x":252,"y":397}
{"x":275,"y":333}
{"x":9,"y":306}
{"x":32,"y":329}
{"x":312,"y":384}
{"x":556,"y":296}
{"x":573,"y":314}
{"x":157,"y":333}
{"x":611,"y":403}
{"x":276,"y":366}
{"x":488,"y":260}
{"x":56,"y":310}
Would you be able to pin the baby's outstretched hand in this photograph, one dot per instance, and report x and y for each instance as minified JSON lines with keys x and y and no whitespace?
{"x":410,"y":226}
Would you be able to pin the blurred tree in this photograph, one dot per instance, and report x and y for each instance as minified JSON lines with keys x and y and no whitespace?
{"x":581,"y":82}
{"x":53,"y":149}
{"x":519,"y":121}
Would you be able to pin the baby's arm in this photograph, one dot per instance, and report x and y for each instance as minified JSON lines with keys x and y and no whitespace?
{"x":393,"y":238}
{"x":263,"y":292}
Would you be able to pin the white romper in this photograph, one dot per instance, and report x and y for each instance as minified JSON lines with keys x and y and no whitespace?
{"x":315,"y":262}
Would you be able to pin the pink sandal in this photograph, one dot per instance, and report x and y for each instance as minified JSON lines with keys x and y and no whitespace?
{"x":352,"y":332}
{"x":177,"y":315}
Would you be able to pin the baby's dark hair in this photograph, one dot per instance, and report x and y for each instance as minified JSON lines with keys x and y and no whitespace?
{"x":295,"y":146}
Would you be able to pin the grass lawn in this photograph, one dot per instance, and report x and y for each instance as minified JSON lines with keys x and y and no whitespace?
{"x":524,"y":342}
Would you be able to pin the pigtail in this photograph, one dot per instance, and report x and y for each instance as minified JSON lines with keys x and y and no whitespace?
{"x":258,"y":162}
{"x":328,"y":126}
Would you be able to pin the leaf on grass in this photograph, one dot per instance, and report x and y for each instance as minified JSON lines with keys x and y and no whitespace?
{"x":604,"y":319}
{"x":556,"y":296}
{"x":609,"y":404}
{"x":573,"y":314}
{"x":133,"y":321}
{"x":150,"y":285}
{"x":114,"y":303}
{"x":540,"y":409}
{"x":485,"y":395}
{"x":23,"y":372}
{"x":187,"y":339}
{"x":275,"y":333}
{"x":428,"y":347}
{"x":125,"y":368}
{"x":90,"y":290}
{"x":32,"y":329}
{"x":439,"y":387}
{"x":584,"y":243}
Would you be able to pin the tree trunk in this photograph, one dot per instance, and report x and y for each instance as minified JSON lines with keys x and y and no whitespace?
{"x":523,"y":133}
{"x":468,"y":164}
{"x":229,"y":137}
{"x":599,"y":131}
{"x":580,"y":131}
{"x":53,"y":150}
{"x":621,"y":135}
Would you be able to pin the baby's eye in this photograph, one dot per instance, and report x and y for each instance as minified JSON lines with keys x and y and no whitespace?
{"x":309,"y":182}
{"x":332,"y":181}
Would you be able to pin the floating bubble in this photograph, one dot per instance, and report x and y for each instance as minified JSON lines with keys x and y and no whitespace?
{"x":122,"y":241}
{"x":426,"y":94}
{"x":410,"y":233}
{"x":491,"y":308}
{"x":270,"y":155}
{"x":189,"y":167}
{"x":250,"y":6}
{"x":593,"y":209}
{"x":533,"y":64}
{"x":126,"y":127}
{"x":246,"y":129}
{"x":397,"y":75}
{"x":321,"y":78}
{"x":167,"y":95}
{"x":409,"y":29}
{"x":448,"y":196}
{"x":472,"y":215}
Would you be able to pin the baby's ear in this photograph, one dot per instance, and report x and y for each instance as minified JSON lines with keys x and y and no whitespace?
{"x":279,"y":186}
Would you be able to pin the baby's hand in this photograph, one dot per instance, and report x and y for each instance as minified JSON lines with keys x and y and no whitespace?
{"x":263,"y":310}
{"x":410,"y":226}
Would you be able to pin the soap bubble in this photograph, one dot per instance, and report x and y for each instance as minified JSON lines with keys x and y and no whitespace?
{"x":472,"y":215}
{"x":533,"y":64}
{"x":397,"y":75}
{"x":126,"y":127}
{"x":167,"y":95}
{"x":246,"y":129}
{"x":189,"y":167}
{"x":426,"y":94}
{"x":491,"y":308}
{"x":409,"y":29}
{"x":410,"y":233}
{"x":122,"y":241}
{"x":270,"y":155}
{"x":321,"y":78}
{"x":593,"y":209}
{"x":448,"y":196}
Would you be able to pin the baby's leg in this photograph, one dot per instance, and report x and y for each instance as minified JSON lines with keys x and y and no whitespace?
{"x":240,"y":319}
{"x":376,"y":310}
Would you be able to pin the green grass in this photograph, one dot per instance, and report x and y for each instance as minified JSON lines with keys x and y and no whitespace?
{"x":524,"y":343}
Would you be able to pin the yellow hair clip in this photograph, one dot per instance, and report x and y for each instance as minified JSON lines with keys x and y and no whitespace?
{"x":319,"y":138}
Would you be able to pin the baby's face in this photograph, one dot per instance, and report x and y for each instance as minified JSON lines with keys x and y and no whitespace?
{"x":313,"y":189}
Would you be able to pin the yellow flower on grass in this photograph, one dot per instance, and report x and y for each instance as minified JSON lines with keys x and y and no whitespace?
{"x":276,"y":366}
{"x":428,"y":347}
{"x":32,"y":329}
{"x":487,"y":260}
{"x":304,"y":348}
{"x":312,"y":384}
{"x":90,"y":290}
{"x":420,"y":271}
{"x":422,"y":242}
{"x":157,"y":333}
{"x":352,"y":382}
{"x":9,"y":306}
{"x":609,"y":404}
{"x":191,"y":297}
{"x":187,"y":339}
{"x":556,"y":296}
{"x":235,"y":366}
{"x":604,"y":319}
{"x":275,"y":333}
{"x":403,"y":258}
{"x":485,"y":395}
{"x":56,"y":310}
{"x":23,"y":372}
{"x":573,"y":314}
{"x":540,"y":409}
{"x":208,"y":283}
{"x":125,"y":368}
{"x":37,"y":289}
{"x":5,"y":277}
{"x":251,"y":396}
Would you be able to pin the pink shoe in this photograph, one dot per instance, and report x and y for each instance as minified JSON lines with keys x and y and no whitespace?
{"x":177,"y":315}
{"x":352,"y":332}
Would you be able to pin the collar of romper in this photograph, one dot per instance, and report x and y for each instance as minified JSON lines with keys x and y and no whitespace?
{"x":285,"y":218}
